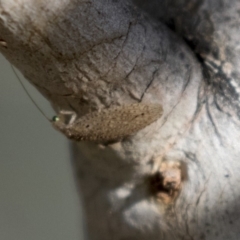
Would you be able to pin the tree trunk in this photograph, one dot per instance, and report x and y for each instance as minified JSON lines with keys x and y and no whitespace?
{"x":176,"y":178}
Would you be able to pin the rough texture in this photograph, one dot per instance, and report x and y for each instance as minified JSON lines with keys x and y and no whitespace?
{"x":110,"y":124}
{"x":90,"y":55}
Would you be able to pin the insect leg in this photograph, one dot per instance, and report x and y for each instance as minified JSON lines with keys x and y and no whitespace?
{"x":72,"y":114}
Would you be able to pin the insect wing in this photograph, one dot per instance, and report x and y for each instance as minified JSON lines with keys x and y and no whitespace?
{"x":117,"y":122}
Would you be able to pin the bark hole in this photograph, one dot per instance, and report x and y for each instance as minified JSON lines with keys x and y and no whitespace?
{"x":165,"y":185}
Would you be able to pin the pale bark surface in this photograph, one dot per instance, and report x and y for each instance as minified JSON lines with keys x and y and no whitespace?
{"x":88,"y":55}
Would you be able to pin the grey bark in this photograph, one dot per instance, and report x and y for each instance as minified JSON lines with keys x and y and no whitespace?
{"x":89,"y":55}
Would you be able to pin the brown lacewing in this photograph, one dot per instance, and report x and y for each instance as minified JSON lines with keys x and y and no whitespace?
{"x":108,"y":124}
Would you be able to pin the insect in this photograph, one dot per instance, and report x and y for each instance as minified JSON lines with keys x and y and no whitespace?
{"x":109,"y":124}
{"x":105,"y":125}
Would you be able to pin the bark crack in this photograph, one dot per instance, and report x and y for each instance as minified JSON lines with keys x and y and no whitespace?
{"x":120,"y":51}
{"x":149,"y":84}
{"x":213,"y":122}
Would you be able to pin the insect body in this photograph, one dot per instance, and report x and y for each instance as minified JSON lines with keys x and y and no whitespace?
{"x":110,"y":124}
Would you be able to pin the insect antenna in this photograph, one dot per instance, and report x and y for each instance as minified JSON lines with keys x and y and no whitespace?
{"x":26,"y":91}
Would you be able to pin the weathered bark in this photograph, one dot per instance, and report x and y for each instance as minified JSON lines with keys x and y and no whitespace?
{"x":88,"y":55}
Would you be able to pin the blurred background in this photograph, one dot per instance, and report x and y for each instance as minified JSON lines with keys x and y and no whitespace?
{"x":38,"y":195}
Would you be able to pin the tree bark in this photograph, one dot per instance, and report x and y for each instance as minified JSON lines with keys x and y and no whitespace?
{"x":178,"y":177}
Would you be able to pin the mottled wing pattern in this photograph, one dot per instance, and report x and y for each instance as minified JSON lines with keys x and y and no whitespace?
{"x":115,"y":122}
